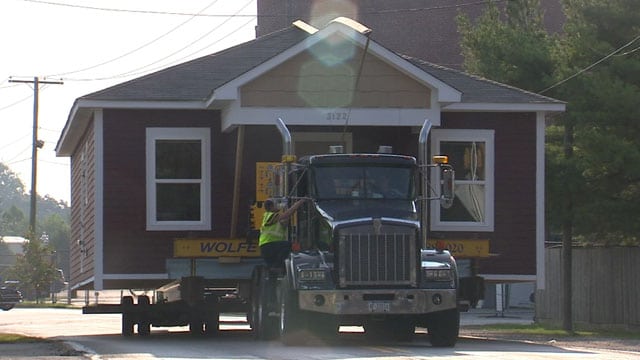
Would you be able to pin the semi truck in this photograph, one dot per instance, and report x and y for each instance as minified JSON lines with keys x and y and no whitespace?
{"x":358,"y":256}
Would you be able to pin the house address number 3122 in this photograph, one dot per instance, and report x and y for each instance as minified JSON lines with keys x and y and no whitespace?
{"x":337,"y":116}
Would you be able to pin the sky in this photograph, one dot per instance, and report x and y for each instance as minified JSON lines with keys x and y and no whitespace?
{"x":90,"y":45}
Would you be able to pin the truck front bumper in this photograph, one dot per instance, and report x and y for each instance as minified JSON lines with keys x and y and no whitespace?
{"x":379,"y":301}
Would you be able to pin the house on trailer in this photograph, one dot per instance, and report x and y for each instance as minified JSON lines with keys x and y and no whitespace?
{"x":173,"y":154}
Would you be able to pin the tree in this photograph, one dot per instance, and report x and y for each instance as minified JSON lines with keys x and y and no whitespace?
{"x":600,"y":60}
{"x":11,"y":187}
{"x":13,"y":222}
{"x":509,"y":45}
{"x":34,"y":269}
{"x":59,"y":234}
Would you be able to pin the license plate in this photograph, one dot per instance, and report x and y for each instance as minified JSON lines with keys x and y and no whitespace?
{"x":379,"y":307}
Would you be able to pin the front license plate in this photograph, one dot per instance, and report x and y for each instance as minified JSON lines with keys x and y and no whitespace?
{"x":379,"y":306}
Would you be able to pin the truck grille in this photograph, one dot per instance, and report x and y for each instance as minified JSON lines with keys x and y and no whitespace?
{"x":370,"y":259}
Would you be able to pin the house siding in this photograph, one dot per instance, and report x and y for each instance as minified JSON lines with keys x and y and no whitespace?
{"x":512,"y":243}
{"x":83,"y":213}
{"x":304,"y":81}
{"x":128,"y":247}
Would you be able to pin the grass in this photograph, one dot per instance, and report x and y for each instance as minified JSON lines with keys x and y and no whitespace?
{"x":45,"y":304}
{"x":540,"y":330}
{"x":16,"y":338}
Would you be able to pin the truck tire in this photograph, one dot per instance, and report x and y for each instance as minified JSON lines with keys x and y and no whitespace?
{"x":128,"y":318}
{"x":263,"y":300}
{"x":443,"y":328}
{"x":7,"y":307}
{"x":144,"y":321}
{"x":292,"y":320}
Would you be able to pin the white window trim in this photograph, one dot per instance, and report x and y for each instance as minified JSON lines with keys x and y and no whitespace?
{"x":202,"y":134}
{"x":486,"y":136}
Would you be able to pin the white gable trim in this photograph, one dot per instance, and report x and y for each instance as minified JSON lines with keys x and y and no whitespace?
{"x":444,"y":93}
{"x":98,"y":260}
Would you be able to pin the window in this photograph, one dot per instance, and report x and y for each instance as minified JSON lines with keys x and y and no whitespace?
{"x":471,"y":153}
{"x":178,"y":179}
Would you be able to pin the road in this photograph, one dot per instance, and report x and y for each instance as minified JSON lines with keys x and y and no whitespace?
{"x":99,"y":335}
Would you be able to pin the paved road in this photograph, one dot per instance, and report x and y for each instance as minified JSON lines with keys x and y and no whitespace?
{"x":99,"y":334}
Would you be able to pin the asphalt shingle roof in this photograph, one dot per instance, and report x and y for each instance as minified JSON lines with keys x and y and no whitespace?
{"x":197,"y":79}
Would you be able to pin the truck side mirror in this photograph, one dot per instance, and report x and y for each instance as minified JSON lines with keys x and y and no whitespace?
{"x":447,"y":183}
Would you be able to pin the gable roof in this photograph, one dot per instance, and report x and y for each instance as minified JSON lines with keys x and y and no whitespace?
{"x":199,"y":83}
{"x":196,"y":80}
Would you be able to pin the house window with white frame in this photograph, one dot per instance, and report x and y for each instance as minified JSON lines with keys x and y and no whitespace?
{"x":178,"y":181}
{"x":471,"y":153}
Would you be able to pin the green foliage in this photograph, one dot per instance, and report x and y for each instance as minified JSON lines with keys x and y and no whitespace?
{"x":508,"y":45}
{"x":593,"y":152}
{"x":52,"y":220}
{"x":604,"y":113}
{"x":35,"y":269}
{"x":13,"y":222}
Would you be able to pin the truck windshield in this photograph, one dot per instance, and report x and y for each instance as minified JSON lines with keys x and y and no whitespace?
{"x":364,"y":182}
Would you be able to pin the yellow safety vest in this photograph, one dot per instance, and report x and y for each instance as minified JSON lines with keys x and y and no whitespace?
{"x":271,"y":230}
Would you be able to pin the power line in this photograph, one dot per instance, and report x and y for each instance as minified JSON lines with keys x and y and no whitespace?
{"x":139,"y":70}
{"x":15,"y":103}
{"x":591,"y":66}
{"x":142,"y":46}
{"x":151,"y":12}
{"x":35,"y":145}
{"x":15,"y":141}
{"x":177,"y":13}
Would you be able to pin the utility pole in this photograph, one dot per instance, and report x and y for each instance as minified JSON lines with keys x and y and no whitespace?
{"x":36,"y":144}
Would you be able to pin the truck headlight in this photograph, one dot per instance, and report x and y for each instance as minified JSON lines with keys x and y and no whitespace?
{"x":438,"y":274}
{"x":312,"y":275}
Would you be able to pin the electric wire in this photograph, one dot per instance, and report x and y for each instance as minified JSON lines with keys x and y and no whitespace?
{"x":155,"y":12}
{"x":145,"y":68}
{"x":579,"y":72}
{"x":141,"y":46}
{"x":151,"y":12}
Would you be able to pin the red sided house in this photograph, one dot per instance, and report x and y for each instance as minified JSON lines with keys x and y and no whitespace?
{"x":173,"y":154}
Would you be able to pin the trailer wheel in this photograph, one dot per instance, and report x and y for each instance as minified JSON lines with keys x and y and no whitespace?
{"x":212,"y":316}
{"x":292,"y":320}
{"x":128,"y":320}
{"x":144,"y":322}
{"x":443,"y":328}
{"x":196,"y":325}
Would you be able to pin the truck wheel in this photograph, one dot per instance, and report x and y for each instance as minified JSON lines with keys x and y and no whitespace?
{"x":292,"y":320}
{"x":128,"y":320}
{"x":144,"y":323}
{"x":443,"y":328}
{"x":265,"y":327}
{"x":6,"y":307}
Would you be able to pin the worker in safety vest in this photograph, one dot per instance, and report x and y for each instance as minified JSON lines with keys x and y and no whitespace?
{"x":274,"y":246}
